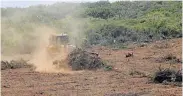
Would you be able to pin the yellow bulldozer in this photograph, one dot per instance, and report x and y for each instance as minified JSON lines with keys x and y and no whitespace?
{"x":59,"y":45}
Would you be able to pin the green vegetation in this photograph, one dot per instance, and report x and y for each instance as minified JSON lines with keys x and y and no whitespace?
{"x":104,"y":23}
{"x":135,"y":21}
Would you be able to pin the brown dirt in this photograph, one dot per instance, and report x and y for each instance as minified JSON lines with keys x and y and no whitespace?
{"x":24,"y":82}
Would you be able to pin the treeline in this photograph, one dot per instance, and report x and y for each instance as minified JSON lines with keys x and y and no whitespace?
{"x":139,"y":21}
{"x":127,"y":9}
{"x":103,"y":23}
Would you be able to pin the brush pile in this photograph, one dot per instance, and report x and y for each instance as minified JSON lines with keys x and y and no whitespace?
{"x":167,"y":76}
{"x":80,"y":59}
{"x":14,"y":64}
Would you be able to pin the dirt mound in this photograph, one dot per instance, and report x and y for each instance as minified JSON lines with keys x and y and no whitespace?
{"x":80,"y":59}
{"x":14,"y":64}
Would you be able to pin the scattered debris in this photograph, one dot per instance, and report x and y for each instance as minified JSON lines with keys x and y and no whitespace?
{"x":170,"y":58}
{"x":137,"y":73}
{"x":5,"y":86}
{"x":108,"y":68}
{"x":40,"y":92}
{"x":129,"y":94}
{"x":162,"y":45}
{"x":122,"y":94}
{"x":129,"y":54}
{"x":14,"y":64}
{"x":60,"y":64}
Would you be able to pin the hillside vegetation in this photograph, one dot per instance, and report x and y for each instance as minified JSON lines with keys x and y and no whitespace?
{"x":101,"y":23}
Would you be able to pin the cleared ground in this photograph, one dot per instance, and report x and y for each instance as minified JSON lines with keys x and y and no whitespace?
{"x":129,"y":75}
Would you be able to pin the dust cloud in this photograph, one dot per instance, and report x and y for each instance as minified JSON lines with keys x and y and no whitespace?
{"x":41,"y":58}
{"x":32,"y":45}
{"x":76,"y":30}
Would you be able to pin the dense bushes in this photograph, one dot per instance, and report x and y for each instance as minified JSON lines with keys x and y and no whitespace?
{"x":127,"y":9}
{"x":135,"y":22}
{"x":110,"y":34}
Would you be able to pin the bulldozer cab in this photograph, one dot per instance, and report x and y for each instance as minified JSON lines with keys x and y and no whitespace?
{"x":60,"y":39}
{"x":58,"y":44}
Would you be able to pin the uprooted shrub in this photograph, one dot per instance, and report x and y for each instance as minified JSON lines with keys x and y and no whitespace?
{"x":80,"y":59}
{"x":168,"y":76}
{"x":14,"y":64}
{"x":178,"y":76}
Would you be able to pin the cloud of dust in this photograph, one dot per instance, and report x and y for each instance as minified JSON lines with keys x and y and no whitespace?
{"x":41,"y":58}
{"x":16,"y":42}
{"x":35,"y":40}
{"x":76,"y":32}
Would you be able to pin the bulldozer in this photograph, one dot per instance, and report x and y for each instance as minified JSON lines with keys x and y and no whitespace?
{"x":59,"y":45}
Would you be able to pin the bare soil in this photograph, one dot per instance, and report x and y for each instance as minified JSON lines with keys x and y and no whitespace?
{"x":130,"y":75}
